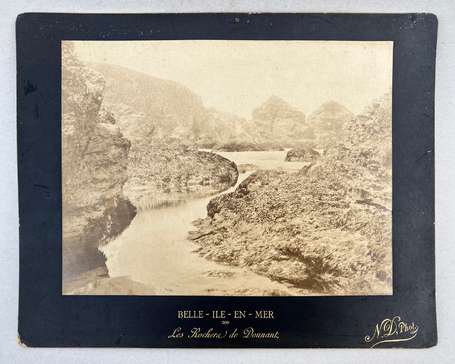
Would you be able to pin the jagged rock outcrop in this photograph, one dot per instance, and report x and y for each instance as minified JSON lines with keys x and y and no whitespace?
{"x":328,"y":123}
{"x":325,"y":229}
{"x":222,"y":130}
{"x":275,"y":112}
{"x":94,"y":169}
{"x":275,"y":121}
{"x":302,"y":155}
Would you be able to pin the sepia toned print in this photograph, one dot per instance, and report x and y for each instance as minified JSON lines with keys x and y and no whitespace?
{"x":241,"y":168}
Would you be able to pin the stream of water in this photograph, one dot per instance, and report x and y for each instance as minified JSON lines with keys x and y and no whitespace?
{"x":154,"y":249}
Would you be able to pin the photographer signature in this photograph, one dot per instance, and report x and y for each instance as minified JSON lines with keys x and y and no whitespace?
{"x":392,"y":330}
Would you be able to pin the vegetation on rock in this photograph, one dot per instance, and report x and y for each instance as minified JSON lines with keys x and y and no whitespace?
{"x":132,"y":141}
{"x":323,"y":230}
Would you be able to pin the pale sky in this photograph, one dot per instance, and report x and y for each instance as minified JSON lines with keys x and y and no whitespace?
{"x":237,"y":76}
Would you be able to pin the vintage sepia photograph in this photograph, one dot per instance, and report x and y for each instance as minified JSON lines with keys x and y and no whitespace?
{"x":227,"y":167}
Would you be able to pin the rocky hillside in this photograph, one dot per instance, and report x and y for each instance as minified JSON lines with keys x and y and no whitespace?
{"x":148,"y":106}
{"x":152,"y":107}
{"x":323,"y":230}
{"x":164,"y":171}
{"x":94,"y":169}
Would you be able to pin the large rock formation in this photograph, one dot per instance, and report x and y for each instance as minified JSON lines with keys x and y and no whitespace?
{"x":94,"y":169}
{"x":325,"y":229}
{"x":275,"y":121}
{"x":328,"y":123}
{"x":221,"y":129}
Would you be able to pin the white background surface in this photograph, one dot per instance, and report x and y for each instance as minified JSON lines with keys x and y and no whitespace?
{"x":11,"y":352}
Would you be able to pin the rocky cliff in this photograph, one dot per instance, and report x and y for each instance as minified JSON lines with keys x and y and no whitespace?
{"x":323,"y":230}
{"x":147,"y":105}
{"x":94,"y":169}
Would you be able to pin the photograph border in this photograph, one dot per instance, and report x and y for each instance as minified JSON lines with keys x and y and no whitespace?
{"x":47,"y":318}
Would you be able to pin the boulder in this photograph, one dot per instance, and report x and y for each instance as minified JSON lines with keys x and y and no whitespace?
{"x":302,"y":155}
